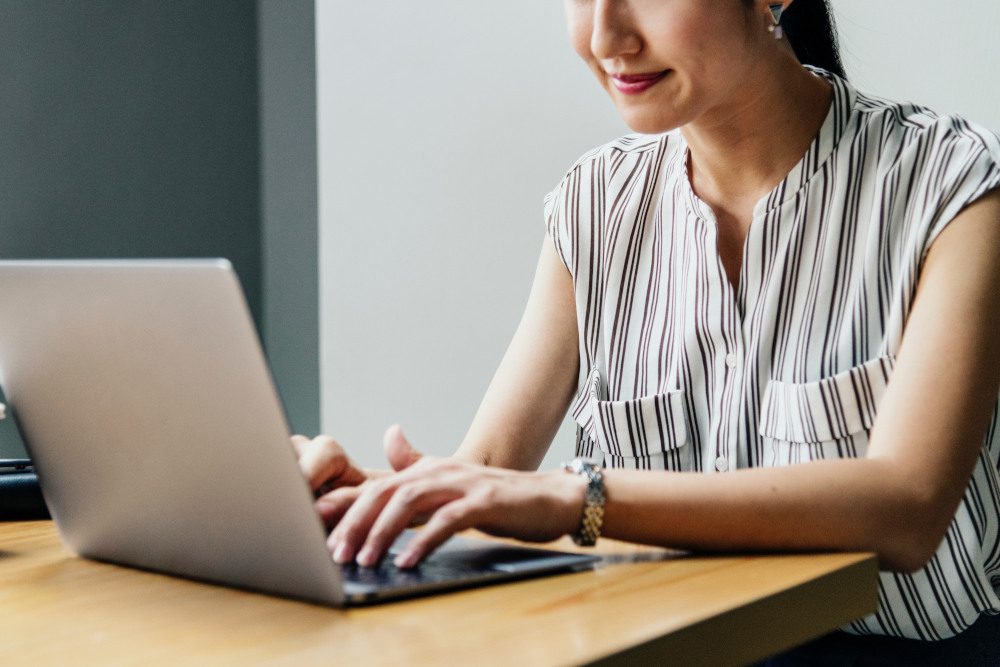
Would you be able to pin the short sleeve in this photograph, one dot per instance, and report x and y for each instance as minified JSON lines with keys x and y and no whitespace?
{"x":575,"y":209}
{"x":555,"y":221}
{"x":965,"y":166}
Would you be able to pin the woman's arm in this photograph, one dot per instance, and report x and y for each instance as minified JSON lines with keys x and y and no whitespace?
{"x":897,"y":501}
{"x":535,"y":382}
{"x":539,"y":368}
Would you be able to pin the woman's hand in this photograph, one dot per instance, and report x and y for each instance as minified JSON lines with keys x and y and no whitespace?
{"x":456,"y":495}
{"x":327,"y":467}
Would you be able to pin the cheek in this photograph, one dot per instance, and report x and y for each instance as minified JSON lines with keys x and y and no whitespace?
{"x":693,"y":32}
{"x":579,"y":24}
{"x":579,"y":36}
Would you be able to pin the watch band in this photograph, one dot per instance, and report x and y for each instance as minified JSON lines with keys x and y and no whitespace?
{"x":593,"y":502}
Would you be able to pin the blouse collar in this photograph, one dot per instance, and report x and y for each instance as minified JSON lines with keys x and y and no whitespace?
{"x":834,"y":127}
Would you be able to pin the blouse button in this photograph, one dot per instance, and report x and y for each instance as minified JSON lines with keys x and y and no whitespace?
{"x":731,"y":360}
{"x":722,"y":464}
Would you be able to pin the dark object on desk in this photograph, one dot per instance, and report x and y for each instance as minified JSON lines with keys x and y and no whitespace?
{"x":20,"y":496}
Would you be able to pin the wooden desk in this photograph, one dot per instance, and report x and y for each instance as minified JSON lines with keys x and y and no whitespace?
{"x":57,"y":609}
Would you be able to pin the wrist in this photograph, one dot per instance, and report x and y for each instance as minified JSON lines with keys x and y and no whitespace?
{"x":576,"y":501}
{"x":591,"y":522}
{"x":568,"y":494}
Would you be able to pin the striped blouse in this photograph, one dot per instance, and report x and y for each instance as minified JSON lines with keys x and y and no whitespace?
{"x":680,"y":371}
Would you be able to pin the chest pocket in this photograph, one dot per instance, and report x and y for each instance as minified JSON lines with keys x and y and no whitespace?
{"x":647,"y":433}
{"x":828,"y":418}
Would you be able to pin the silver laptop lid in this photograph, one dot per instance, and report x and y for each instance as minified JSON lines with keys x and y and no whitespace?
{"x":144,"y":399}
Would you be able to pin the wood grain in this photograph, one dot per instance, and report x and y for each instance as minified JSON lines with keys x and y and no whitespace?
{"x":58,"y":609}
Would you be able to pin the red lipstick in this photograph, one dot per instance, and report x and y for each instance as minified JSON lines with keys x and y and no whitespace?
{"x":633,"y":84}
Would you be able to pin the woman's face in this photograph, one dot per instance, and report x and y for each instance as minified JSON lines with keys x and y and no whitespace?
{"x":666,"y":63}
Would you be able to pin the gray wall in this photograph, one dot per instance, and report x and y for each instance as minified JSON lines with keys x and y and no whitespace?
{"x":128,"y":128}
{"x":288,"y":204}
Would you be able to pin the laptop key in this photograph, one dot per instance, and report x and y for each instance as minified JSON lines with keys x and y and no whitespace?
{"x":428,"y":572}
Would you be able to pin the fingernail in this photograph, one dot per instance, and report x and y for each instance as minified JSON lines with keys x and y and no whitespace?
{"x":366,"y":558}
{"x":405,"y":559}
{"x":342,"y":554}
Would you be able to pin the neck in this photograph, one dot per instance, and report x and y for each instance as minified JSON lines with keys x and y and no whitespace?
{"x":741,"y":152}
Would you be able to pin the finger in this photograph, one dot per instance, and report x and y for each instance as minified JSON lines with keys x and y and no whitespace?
{"x":352,"y":530}
{"x":455,"y":516}
{"x":320,"y":460}
{"x":398,"y":449}
{"x":298,"y":442}
{"x":332,"y":506}
{"x":324,"y":460}
{"x":408,"y":502}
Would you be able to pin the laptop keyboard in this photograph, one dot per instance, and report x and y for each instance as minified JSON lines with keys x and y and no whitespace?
{"x":428,"y":572}
{"x":460,"y":562}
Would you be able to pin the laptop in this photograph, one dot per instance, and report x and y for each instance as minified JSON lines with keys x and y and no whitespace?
{"x":147,"y":407}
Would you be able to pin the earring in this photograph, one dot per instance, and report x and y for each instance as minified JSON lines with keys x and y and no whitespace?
{"x":777,"y":9}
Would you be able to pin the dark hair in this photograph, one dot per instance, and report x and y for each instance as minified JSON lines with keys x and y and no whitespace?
{"x":812,"y":32}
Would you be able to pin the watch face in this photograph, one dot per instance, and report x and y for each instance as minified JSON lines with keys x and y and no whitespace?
{"x":583,"y":466}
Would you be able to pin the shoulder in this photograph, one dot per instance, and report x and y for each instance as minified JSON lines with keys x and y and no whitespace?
{"x":629,"y":146}
{"x":601,"y":163}
{"x":575,"y":208}
{"x":934,"y":164}
{"x":908,"y":128}
{"x":930,"y":166}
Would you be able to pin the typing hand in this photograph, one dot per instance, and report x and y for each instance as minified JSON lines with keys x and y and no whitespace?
{"x":335,"y":478}
{"x":454,"y":495}
{"x":325,"y":464}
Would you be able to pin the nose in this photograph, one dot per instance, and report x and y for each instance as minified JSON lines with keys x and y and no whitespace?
{"x":613,"y":34}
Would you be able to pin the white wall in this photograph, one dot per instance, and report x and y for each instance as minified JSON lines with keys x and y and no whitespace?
{"x":441,"y":126}
{"x":945,"y":55}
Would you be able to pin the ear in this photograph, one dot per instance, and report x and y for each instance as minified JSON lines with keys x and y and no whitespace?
{"x":775,"y":10}
{"x":778,"y":8}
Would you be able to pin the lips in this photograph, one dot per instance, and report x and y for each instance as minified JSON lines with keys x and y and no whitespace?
{"x":633,"y":84}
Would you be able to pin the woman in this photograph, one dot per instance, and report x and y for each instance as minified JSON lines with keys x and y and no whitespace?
{"x":775,"y":307}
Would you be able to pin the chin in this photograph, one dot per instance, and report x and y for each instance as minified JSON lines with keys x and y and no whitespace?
{"x":647,"y":117}
{"x":645,"y":123}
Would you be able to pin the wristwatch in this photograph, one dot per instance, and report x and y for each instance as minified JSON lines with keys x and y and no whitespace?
{"x":593,"y":502}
